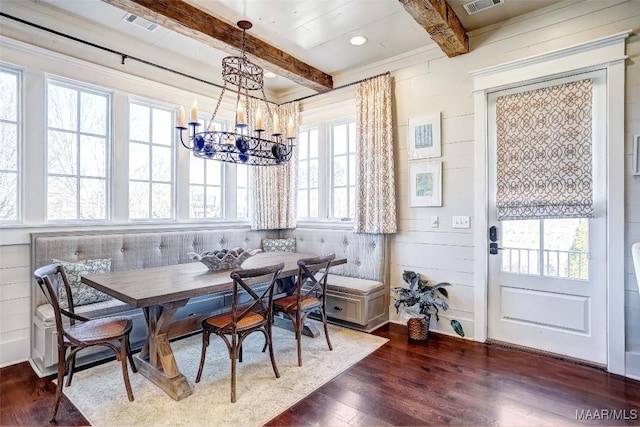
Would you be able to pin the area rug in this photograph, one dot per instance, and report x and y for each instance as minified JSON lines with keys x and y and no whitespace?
{"x":100,"y":395}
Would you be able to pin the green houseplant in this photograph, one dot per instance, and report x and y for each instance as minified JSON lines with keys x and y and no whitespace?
{"x":420,"y":301}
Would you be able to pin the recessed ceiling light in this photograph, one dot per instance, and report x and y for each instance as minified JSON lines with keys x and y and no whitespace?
{"x":358,"y":40}
{"x":270,"y":75}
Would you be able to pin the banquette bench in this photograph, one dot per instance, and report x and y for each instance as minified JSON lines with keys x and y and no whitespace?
{"x":357,"y":294}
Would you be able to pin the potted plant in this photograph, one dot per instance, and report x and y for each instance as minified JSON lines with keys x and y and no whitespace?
{"x":420,"y":301}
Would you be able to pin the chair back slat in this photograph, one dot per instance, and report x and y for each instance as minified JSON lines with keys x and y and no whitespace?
{"x":308,"y":283}
{"x":245,"y":280}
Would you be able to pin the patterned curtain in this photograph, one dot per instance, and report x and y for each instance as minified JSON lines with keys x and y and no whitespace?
{"x":274,"y":187}
{"x":544,"y":158}
{"x":375,"y":191}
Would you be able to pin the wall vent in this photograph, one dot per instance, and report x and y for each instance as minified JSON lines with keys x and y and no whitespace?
{"x":480,"y":5}
{"x":140,"y":22}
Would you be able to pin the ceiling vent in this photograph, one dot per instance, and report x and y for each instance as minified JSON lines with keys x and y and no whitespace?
{"x":480,"y":5}
{"x":140,"y":22}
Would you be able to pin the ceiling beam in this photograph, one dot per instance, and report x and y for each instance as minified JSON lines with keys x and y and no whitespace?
{"x":442,"y":24}
{"x":181,"y":17}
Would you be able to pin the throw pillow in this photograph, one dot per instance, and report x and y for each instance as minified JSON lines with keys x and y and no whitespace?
{"x":286,"y":245}
{"x":81,"y":293}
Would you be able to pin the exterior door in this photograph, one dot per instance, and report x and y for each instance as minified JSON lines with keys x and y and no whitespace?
{"x":547,"y":277}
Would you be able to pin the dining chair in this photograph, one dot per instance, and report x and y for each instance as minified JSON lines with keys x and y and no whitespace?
{"x":310,"y":296}
{"x":253,"y":314}
{"x":76,"y":332}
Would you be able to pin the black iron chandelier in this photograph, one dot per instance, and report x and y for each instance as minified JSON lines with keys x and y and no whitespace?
{"x":244,"y":145}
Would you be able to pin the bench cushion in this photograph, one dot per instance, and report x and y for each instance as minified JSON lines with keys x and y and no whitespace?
{"x":352,"y":285}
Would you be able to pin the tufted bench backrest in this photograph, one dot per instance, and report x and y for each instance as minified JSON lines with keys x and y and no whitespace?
{"x":132,"y":250}
{"x":364,"y":252}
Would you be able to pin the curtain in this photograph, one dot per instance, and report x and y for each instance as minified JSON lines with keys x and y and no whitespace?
{"x":544,"y":159}
{"x":274,"y":188}
{"x":375,"y":186}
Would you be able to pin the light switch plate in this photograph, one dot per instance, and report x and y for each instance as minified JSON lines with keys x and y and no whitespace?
{"x":461,"y":222}
{"x":435,"y":222}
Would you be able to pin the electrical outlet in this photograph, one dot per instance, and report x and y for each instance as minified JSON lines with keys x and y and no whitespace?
{"x":461,"y":222}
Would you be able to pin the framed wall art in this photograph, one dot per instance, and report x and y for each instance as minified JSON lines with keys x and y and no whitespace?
{"x":424,"y":137}
{"x":425,"y":184}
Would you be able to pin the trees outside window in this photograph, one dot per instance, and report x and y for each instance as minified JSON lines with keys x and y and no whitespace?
{"x":10,"y":159}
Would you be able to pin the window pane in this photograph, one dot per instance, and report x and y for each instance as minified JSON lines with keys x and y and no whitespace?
{"x":340,"y":203}
{"x":161,"y":201}
{"x":196,"y":201}
{"x":214,"y":203}
{"x":62,"y":198}
{"x":303,"y":211}
{"x":196,"y":170}
{"x":313,"y":204}
{"x":139,"y":122}
{"x":242,"y":209}
{"x":93,"y":156}
{"x":8,"y":96}
{"x":302,"y":174}
{"x":161,"y":164}
{"x":340,"y":139}
{"x":138,"y":200}
{"x":214,"y":172}
{"x":352,"y":202}
{"x":303,"y":145}
{"x":566,"y":248}
{"x":352,"y":170}
{"x":340,"y":171}
{"x":242,"y":176}
{"x":162,"y":127}
{"x":93,"y":113}
{"x":61,"y":153}
{"x":62,"y":107}
{"x":8,"y":196}
{"x":352,"y":137}
{"x":313,"y":174}
{"x":9,"y":146}
{"x":92,"y":198}
{"x":313,"y":144}
{"x":138,"y":161}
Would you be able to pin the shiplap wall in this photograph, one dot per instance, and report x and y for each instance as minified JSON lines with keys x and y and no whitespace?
{"x":434,"y":83}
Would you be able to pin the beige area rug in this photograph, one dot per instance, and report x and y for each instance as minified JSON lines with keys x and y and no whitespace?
{"x":100,"y":395}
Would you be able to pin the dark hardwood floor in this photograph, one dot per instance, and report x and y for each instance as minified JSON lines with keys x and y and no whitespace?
{"x":448,"y":381}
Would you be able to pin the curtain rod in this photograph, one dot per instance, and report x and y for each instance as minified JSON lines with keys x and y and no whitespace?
{"x":124,"y":56}
{"x":342,"y":87}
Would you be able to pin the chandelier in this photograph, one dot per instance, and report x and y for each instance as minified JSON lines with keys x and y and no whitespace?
{"x":256,"y":147}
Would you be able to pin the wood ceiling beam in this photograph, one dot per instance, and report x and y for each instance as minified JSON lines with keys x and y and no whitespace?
{"x":181,"y":17}
{"x":442,"y":24}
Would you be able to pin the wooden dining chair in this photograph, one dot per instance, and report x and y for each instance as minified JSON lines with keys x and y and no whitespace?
{"x":310,"y":296}
{"x":244,"y":319}
{"x":76,"y":332}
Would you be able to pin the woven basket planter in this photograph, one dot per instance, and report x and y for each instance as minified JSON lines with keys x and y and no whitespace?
{"x":418,"y":328}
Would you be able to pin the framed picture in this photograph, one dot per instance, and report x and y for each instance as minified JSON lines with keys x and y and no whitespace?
{"x":424,"y":136}
{"x":425,"y":184}
{"x":636,"y":155}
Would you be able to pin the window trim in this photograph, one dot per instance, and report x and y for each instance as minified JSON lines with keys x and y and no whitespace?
{"x":20,"y":161}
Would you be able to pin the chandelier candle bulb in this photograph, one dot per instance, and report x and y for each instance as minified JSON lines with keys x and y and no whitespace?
{"x":181,"y":117}
{"x":259,"y":124}
{"x":212,"y":126}
{"x":194,"y":111}
{"x":240,"y":115}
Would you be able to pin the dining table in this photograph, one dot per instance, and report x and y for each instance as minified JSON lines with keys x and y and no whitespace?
{"x":161,"y":291}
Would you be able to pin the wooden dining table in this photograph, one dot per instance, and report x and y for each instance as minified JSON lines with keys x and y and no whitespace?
{"x":161,"y":291}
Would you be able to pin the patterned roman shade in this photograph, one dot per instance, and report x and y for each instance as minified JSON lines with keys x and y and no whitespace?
{"x":544,"y":160}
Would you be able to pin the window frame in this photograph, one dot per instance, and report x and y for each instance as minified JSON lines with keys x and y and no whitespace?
{"x":19,"y":124}
{"x":331,"y":213}
{"x":80,"y":87}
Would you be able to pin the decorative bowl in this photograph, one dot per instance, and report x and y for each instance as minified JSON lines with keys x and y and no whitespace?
{"x":224,"y":259}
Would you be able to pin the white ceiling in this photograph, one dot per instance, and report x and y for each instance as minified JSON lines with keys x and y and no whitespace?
{"x":315,"y":31}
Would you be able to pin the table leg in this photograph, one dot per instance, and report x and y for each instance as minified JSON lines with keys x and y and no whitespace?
{"x":156,"y":360}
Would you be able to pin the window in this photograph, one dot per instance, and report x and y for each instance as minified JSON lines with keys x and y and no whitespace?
{"x":206,"y":185}
{"x":10,"y":135}
{"x":151,"y":160}
{"x":343,"y":168}
{"x":308,"y":174}
{"x":78,"y":146}
{"x":242,"y":191}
